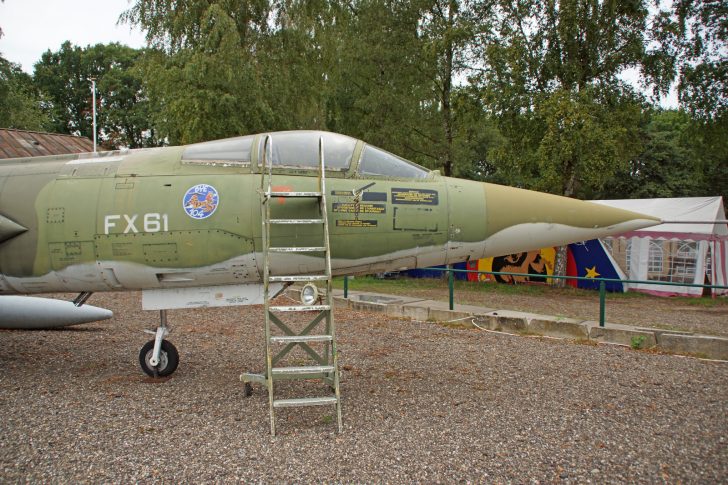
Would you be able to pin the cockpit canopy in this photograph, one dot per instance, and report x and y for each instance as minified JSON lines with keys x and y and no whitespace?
{"x":300,"y":150}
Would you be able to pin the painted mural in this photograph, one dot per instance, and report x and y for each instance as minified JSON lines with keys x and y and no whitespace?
{"x":539,"y":262}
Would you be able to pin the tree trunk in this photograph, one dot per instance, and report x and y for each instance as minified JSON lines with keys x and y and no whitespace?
{"x":447,"y":73}
{"x":560,"y":267}
{"x":569,"y":186}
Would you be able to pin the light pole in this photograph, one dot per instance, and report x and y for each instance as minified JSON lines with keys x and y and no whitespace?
{"x":93,"y":100}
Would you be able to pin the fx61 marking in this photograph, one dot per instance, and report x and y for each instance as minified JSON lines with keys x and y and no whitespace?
{"x":152,"y":222}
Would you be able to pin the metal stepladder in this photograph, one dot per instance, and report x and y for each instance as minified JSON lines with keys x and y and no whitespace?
{"x":318,"y":344}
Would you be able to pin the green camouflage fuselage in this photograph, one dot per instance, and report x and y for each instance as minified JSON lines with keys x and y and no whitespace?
{"x":127,"y":221}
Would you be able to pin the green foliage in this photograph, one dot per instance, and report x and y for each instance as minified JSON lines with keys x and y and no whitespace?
{"x":172,"y":26}
{"x":305,"y":57}
{"x":552,"y":84}
{"x":693,"y":38}
{"x":383,"y":96}
{"x":708,"y":145}
{"x":207,"y":91}
{"x":682,"y":157}
{"x":585,"y":140}
{"x":20,"y":102}
{"x":524,"y":93}
{"x":665,"y":167}
{"x":122,"y":108}
{"x":637,"y":341}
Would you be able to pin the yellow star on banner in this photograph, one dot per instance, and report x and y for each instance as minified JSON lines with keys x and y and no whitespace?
{"x":592,"y":272}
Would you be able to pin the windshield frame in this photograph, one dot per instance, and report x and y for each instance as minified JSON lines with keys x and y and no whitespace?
{"x":427,"y":173}
{"x":259,"y":164}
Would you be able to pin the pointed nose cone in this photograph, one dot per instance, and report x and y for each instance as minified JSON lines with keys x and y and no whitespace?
{"x":522,"y":220}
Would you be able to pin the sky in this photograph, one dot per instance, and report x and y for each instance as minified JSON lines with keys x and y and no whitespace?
{"x":31,"y":27}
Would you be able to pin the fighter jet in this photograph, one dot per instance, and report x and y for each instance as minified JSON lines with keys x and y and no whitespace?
{"x":183,"y":224}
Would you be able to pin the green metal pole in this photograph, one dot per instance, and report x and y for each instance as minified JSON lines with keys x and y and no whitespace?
{"x":346,"y":287}
{"x":451,"y":286}
{"x":602,"y":302}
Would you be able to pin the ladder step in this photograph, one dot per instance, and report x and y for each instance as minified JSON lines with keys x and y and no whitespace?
{"x":300,"y":308}
{"x":293,"y":194}
{"x":313,"y":249}
{"x":288,"y":339}
{"x":306,"y":401}
{"x":278,"y":279}
{"x":305,"y":369}
{"x":296,"y":221}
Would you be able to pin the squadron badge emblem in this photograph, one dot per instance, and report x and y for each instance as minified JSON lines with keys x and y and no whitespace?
{"x":200,"y":201}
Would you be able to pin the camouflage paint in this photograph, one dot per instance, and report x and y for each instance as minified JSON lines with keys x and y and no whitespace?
{"x":117,"y":221}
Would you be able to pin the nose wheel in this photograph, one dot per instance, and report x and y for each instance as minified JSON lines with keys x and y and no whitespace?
{"x":158,"y":357}
{"x":167,"y":362}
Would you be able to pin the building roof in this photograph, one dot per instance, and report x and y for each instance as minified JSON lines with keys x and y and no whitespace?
{"x":20,"y":143}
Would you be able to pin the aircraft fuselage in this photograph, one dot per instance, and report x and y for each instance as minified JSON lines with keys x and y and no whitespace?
{"x":174,"y":218}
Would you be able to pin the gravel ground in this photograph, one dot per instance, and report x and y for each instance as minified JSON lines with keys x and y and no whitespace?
{"x":421,"y":403}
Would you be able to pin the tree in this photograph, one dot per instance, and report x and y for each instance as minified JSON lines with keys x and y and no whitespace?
{"x":550,"y":78}
{"x":122,"y":106}
{"x":382,"y":70}
{"x":398,"y":81}
{"x":304,"y":57}
{"x":585,"y":140}
{"x":668,"y":165}
{"x":203,"y":75}
{"x":693,"y":40}
{"x":708,"y":145}
{"x":20,"y":102}
{"x":385,"y":94}
{"x":449,"y":32}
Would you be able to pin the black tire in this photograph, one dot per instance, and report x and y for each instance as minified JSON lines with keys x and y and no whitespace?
{"x":168,"y":359}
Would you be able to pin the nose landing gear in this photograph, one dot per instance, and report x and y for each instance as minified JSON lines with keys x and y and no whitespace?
{"x":158,"y":357}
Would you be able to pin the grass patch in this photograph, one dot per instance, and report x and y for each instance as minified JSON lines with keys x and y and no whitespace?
{"x":637,"y":341}
{"x":406,"y":286}
{"x":706,"y":301}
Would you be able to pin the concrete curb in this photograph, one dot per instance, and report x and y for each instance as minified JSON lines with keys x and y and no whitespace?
{"x":697,"y":345}
{"x":556,"y":327}
{"x":528,"y":323}
{"x":637,"y":339}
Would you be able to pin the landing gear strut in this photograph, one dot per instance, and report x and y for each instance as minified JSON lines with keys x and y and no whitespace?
{"x":158,"y":357}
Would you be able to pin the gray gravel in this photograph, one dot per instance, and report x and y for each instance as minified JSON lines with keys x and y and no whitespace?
{"x":422,"y":403}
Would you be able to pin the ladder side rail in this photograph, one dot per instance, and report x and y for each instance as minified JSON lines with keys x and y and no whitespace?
{"x":328,"y":348}
{"x":329,"y":299}
{"x":265,"y":217}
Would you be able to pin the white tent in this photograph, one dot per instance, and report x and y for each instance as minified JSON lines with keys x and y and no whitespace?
{"x":692,"y":247}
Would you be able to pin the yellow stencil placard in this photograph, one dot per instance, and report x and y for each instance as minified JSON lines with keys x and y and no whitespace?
{"x":355,"y":223}
{"x":353,"y":208}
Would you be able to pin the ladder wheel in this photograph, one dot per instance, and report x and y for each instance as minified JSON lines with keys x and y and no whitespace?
{"x":247,"y":389}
